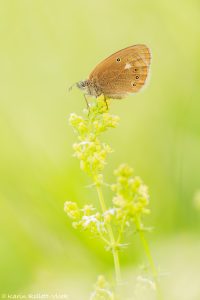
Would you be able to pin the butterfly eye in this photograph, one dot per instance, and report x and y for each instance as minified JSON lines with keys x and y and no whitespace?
{"x":135,"y":70}
{"x":118,"y":59}
{"x":133,"y":84}
{"x":137,"y":77}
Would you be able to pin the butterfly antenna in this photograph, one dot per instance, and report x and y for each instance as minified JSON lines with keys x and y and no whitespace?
{"x":71,"y":87}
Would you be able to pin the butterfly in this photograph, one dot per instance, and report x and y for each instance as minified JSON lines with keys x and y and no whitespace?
{"x":119,"y":75}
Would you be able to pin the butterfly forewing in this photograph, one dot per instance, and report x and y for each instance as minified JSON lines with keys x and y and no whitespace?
{"x":122,"y":73}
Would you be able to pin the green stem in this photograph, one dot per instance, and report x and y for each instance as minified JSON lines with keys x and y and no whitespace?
{"x":121,"y":230}
{"x":115,"y":252}
{"x":149,"y":258}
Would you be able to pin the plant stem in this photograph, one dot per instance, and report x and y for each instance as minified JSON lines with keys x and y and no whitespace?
{"x":121,"y":230}
{"x":149,"y":258}
{"x":115,"y":252}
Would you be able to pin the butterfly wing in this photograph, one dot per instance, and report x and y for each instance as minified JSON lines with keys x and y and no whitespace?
{"x":124,"y":72}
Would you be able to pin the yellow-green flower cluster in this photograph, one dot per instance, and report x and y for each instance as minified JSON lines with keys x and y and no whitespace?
{"x":131,"y":195}
{"x":85,"y":218}
{"x":90,"y":151}
{"x":102,"y":290}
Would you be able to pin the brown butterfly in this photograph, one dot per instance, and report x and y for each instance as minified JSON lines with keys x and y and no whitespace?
{"x":123,"y":73}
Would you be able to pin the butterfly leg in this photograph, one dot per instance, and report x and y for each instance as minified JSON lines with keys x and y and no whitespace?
{"x":105,"y":100}
{"x":88,"y":107}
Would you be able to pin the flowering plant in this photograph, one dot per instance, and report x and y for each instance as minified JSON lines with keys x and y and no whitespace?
{"x":130,"y":195}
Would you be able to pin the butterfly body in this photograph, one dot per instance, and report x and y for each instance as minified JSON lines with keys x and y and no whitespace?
{"x":123,"y":73}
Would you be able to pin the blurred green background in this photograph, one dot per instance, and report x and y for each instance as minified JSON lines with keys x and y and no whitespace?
{"x":45,"y":47}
